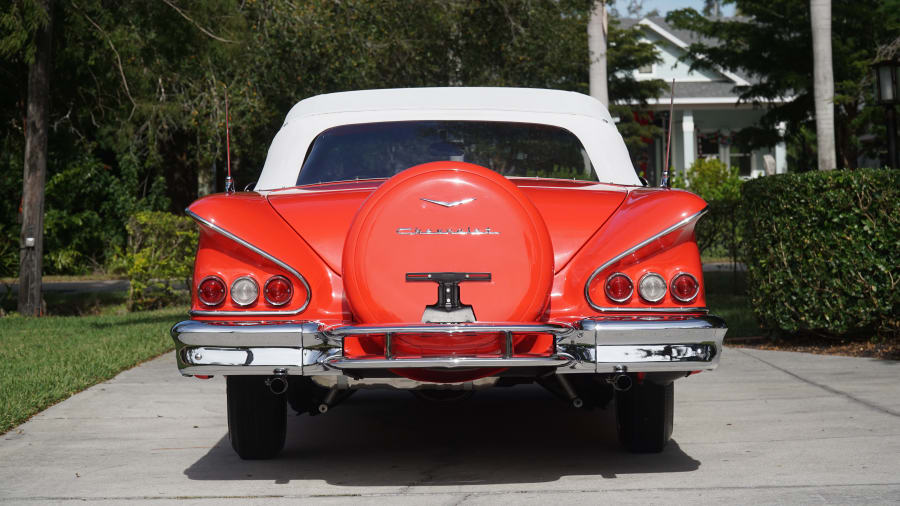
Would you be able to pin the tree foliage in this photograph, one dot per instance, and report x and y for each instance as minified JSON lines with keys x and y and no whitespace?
{"x":772,"y":41}
{"x":138,"y":89}
{"x":717,"y":234}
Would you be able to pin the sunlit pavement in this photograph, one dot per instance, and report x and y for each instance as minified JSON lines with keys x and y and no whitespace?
{"x":767,"y":427}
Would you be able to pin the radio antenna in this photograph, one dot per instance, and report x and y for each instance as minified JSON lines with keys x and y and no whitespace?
{"x":665,"y":183}
{"x":229,"y":182}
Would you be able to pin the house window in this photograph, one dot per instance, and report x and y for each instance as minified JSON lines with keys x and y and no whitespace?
{"x":645,"y":69}
{"x":709,"y":145}
{"x":741,"y":159}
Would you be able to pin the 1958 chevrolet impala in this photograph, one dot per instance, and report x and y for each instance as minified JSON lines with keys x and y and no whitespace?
{"x":444,"y":240}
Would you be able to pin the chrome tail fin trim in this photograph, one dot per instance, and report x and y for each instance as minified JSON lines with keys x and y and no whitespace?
{"x":264,"y":254}
{"x":683,"y":223}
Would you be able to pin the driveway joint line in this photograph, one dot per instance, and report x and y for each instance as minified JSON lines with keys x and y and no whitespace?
{"x":827,"y":388}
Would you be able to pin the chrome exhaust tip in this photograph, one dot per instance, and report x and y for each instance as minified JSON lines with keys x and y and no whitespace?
{"x":277,"y":384}
{"x":621,"y":382}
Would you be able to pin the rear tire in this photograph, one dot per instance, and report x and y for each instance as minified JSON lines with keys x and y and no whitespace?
{"x":257,"y":418}
{"x":644,"y":416}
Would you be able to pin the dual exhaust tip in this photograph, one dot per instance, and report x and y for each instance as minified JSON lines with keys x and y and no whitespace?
{"x":278,"y":385}
{"x":621,"y":382}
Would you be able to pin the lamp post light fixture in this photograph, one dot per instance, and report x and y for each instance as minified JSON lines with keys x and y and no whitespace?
{"x":887,"y":93}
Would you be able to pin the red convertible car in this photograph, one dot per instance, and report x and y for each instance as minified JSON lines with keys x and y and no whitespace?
{"x":444,"y":240}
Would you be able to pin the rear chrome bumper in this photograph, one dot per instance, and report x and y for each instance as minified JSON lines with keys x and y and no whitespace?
{"x":670,"y":343}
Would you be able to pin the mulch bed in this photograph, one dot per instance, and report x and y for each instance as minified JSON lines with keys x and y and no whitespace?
{"x":888,"y":350}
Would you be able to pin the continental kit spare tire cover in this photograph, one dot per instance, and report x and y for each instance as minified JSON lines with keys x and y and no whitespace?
{"x":447,"y":217}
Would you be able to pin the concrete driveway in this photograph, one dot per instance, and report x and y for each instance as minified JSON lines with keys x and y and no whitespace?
{"x":767,"y":427}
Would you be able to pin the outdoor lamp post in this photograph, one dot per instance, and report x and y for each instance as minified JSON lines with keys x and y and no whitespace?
{"x":886,"y":94}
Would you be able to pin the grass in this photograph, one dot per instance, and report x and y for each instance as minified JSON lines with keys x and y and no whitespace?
{"x":46,"y":360}
{"x":726,"y":298}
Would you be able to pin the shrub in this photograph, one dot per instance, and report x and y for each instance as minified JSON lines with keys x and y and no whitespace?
{"x":720,"y":187}
{"x":87,"y":211}
{"x":821,"y":250}
{"x":713,"y":180}
{"x":161,"y":249}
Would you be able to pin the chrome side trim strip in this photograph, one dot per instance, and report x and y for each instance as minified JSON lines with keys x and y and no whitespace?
{"x":224,"y":334}
{"x":556,"y":329}
{"x":667,"y":231}
{"x":262,"y":253}
{"x":685,"y":310}
{"x":445,"y":362}
{"x":698,"y":329}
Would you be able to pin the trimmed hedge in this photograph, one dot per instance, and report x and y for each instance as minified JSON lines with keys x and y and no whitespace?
{"x":161,"y":249}
{"x":823,"y":250}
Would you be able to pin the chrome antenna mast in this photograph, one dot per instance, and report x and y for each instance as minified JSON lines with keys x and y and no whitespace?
{"x":665,"y":183}
{"x":229,"y":182}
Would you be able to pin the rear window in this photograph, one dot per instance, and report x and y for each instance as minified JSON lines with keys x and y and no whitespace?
{"x":380,"y":150}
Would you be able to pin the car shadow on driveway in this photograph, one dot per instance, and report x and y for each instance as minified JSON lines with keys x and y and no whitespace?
{"x":389,"y":438}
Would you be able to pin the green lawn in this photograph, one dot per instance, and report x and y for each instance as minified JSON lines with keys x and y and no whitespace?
{"x":45,"y":360}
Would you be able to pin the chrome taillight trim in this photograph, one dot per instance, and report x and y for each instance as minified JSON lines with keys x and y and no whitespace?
{"x":265,"y":296}
{"x":587,"y":295}
{"x":261,"y":252}
{"x":231,"y":291}
{"x":658,"y":275}
{"x":606,"y":287}
{"x":224,"y":291}
{"x":672,"y":291}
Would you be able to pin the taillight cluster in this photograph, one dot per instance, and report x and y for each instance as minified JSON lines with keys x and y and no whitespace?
{"x":277,"y":291}
{"x":651,"y":287}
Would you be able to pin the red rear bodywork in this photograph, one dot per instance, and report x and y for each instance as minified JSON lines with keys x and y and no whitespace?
{"x":550,"y":238}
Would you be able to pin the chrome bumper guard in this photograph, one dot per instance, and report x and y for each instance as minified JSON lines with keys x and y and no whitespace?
{"x":610,"y":345}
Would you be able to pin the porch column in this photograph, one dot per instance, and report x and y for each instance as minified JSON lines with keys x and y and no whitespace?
{"x":687,"y":129}
{"x":780,"y":150}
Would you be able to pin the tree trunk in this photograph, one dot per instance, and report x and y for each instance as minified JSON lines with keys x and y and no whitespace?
{"x":823,"y":82}
{"x":597,"y":25}
{"x":38,"y":111}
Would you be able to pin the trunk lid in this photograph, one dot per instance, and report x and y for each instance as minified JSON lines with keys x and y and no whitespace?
{"x":573,"y":211}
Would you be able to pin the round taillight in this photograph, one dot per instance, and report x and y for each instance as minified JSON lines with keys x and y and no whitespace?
{"x":619,"y":287}
{"x":211,"y":291}
{"x":244,"y":291}
{"x":278,"y":290}
{"x":652,"y":287}
{"x":685,"y":287}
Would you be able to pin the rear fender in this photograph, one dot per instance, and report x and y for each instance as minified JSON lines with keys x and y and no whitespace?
{"x":241,"y":235}
{"x":652,"y":231}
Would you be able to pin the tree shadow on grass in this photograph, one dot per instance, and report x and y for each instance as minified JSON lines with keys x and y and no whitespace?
{"x":389,"y":438}
{"x":142,"y":320}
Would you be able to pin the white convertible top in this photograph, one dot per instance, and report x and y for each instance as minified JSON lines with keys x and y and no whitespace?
{"x":582,"y":115}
